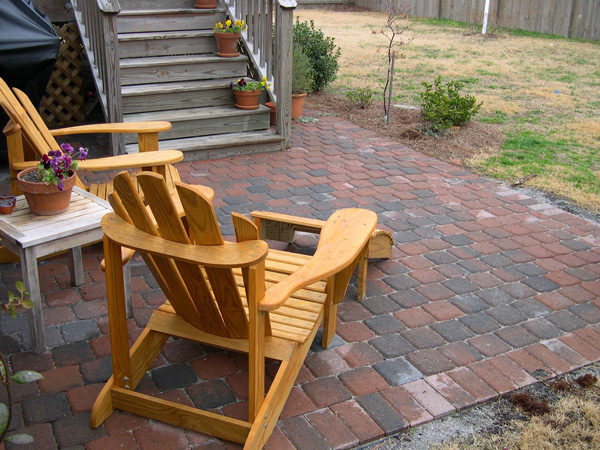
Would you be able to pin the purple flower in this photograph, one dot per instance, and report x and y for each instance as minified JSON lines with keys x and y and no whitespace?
{"x":66,"y":148}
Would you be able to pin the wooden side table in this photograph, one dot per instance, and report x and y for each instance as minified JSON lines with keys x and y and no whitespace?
{"x":32,"y":237}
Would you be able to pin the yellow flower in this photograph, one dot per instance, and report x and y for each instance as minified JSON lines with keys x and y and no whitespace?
{"x":228,"y":23}
{"x":219,"y":25}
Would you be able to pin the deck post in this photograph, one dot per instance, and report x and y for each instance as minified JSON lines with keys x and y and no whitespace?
{"x":283,"y":67}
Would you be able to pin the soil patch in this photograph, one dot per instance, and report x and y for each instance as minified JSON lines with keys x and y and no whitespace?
{"x":406,"y":125}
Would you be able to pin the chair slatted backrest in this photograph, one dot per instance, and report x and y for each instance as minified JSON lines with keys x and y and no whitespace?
{"x":207,"y":298}
{"x":21,"y":111}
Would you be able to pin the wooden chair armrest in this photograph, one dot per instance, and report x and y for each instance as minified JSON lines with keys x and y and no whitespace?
{"x":147,"y":159}
{"x":243,"y":254}
{"x":130,"y":127}
{"x":343,"y":237}
{"x":22,"y":165}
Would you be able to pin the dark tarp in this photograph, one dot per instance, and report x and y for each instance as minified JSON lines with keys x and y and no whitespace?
{"x":28,"y":49}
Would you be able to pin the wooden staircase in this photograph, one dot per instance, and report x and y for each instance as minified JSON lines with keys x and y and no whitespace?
{"x":169,"y":71}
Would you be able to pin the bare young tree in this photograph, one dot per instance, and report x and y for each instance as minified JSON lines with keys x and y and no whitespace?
{"x":397,"y":24}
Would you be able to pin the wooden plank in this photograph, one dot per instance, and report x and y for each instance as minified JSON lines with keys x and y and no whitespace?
{"x":204,"y":230}
{"x":181,"y":415}
{"x":153,"y":20}
{"x":167,"y":43}
{"x":173,"y":325}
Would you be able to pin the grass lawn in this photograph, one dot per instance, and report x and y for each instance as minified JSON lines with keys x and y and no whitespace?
{"x":542,"y":91}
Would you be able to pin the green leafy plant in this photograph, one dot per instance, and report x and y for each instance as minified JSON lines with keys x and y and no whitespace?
{"x":361,"y":97}
{"x":302,"y":79}
{"x":58,"y":165}
{"x":321,"y":51}
{"x":443,"y":107}
{"x":24,"y":376}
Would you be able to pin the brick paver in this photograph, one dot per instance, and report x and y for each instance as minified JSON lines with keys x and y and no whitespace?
{"x":487,"y":291}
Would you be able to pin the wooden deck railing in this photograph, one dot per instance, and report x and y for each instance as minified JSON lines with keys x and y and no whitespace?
{"x":97,"y":23}
{"x":271,"y":58}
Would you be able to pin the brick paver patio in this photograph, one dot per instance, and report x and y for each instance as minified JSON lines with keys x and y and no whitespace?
{"x":488,"y":290}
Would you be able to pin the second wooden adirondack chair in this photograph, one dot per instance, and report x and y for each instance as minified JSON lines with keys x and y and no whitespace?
{"x":239,"y":296}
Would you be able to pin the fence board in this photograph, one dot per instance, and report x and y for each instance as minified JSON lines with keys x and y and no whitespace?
{"x":571,"y":18}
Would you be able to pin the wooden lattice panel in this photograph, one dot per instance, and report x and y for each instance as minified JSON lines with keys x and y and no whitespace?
{"x":63,"y":102}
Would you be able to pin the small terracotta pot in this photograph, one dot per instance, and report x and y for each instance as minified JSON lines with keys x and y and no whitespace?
{"x":273,"y":116}
{"x":7,"y":204}
{"x":45,"y":199}
{"x":298,"y":105}
{"x":227,"y":44}
{"x":247,"y":99}
{"x":206,"y":4}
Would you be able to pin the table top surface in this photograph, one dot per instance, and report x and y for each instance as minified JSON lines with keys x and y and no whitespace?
{"x":27,"y":229}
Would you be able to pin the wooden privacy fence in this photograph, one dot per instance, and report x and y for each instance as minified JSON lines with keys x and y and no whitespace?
{"x":570,"y":18}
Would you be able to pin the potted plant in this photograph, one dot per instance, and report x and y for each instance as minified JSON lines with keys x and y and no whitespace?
{"x":247,"y":92}
{"x":302,"y":82}
{"x":7,"y":204}
{"x":227,"y":36}
{"x":48,"y":186}
{"x":205,"y":4}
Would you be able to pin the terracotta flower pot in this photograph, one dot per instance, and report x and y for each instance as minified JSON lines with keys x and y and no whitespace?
{"x":247,"y":99}
{"x":206,"y":4}
{"x":227,"y":44}
{"x":298,"y":105}
{"x":7,"y":204}
{"x":273,"y":116}
{"x":45,"y":199}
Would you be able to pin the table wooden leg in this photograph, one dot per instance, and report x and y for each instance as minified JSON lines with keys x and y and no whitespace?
{"x":127,"y":287}
{"x":76,"y":266}
{"x":31,"y":279}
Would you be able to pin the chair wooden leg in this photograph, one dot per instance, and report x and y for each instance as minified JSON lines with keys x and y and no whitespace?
{"x":142,"y":354}
{"x":329,"y":323}
{"x":275,"y":400}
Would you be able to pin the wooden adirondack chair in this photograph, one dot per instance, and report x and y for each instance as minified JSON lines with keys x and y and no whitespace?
{"x":29,"y":138}
{"x":237,"y":296}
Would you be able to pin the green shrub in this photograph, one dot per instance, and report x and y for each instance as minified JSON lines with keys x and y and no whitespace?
{"x":443,"y":107}
{"x":360,"y":97}
{"x":302,"y":80}
{"x":321,"y":51}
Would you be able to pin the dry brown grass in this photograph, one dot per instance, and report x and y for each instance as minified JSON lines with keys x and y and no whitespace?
{"x":573,"y":425}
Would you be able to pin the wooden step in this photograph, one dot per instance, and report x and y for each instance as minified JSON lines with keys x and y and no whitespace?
{"x":189,"y":94}
{"x":180,"y":68}
{"x":166,"y":43}
{"x":131,"y":21}
{"x":222,"y":145}
{"x":158,"y":4}
{"x":204,"y":121}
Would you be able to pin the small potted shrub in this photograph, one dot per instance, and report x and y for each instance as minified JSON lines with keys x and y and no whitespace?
{"x":302,"y":80}
{"x":227,"y":36}
{"x":48,"y":186}
{"x":247,"y":92}
{"x":302,"y":83}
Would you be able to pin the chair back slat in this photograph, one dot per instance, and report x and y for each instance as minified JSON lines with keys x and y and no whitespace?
{"x":170,"y":226}
{"x":204,"y":230}
{"x":164,"y":269}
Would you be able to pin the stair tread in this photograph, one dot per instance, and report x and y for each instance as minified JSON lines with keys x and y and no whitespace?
{"x":159,"y":35}
{"x":216,"y":141}
{"x":146,"y":12}
{"x":180,"y":59}
{"x":193,"y":113}
{"x":175,"y":87}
